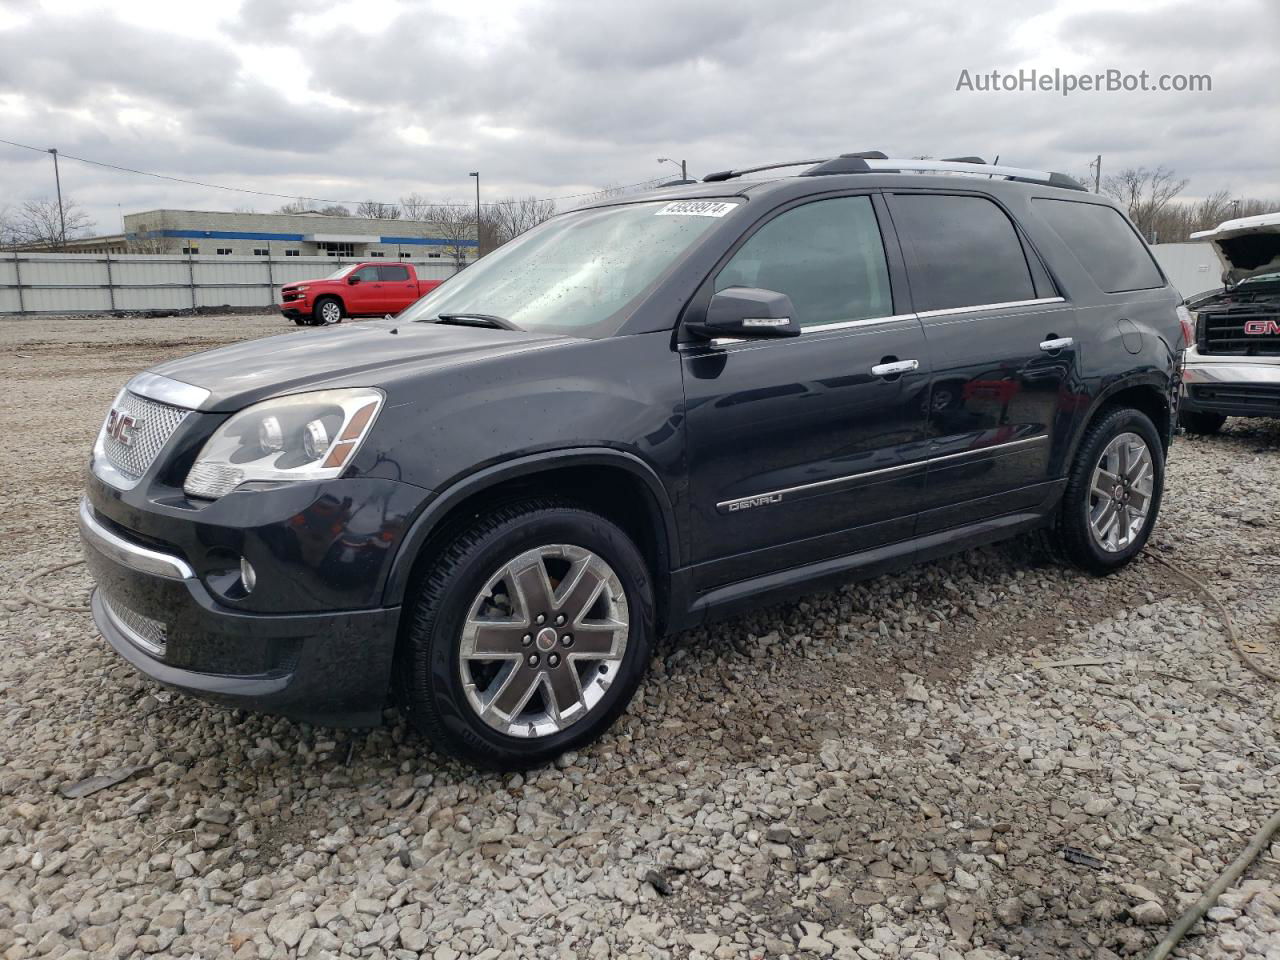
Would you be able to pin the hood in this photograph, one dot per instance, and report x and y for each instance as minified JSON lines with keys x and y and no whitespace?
{"x":1248,"y":247}
{"x":361,"y":354}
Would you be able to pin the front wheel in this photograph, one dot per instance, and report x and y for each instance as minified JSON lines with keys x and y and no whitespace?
{"x":528,"y":636}
{"x":1201,"y":423}
{"x":328,"y":311}
{"x":1113,"y":492}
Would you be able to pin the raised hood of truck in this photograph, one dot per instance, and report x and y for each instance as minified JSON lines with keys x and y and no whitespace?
{"x":1248,"y":247}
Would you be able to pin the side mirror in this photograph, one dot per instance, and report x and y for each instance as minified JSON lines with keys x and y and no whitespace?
{"x":748,"y":312}
{"x":353,"y":279}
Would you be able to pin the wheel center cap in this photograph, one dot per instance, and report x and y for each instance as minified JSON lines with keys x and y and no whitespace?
{"x":1119,"y":491}
{"x":546,"y":638}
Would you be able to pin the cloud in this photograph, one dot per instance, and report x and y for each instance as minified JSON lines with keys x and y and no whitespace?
{"x":558,"y":96}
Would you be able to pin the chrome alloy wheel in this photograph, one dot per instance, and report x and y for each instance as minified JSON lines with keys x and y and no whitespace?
{"x":330,"y":312}
{"x":1120,"y":495}
{"x":543,"y":640}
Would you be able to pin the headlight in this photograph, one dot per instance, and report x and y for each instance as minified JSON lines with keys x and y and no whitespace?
{"x":308,"y":436}
{"x":301,"y":289}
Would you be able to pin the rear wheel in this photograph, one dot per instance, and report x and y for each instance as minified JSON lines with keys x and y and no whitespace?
{"x":328,"y":310}
{"x":1113,"y":492}
{"x":1201,"y":423}
{"x":528,"y":636}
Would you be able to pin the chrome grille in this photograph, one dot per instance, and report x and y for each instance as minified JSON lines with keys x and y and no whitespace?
{"x":154,"y":424}
{"x":151,"y":635}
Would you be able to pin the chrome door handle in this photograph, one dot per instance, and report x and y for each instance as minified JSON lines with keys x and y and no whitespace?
{"x":895,"y":368}
{"x":1061,"y":343}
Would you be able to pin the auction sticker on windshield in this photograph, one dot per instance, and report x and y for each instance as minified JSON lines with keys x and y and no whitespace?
{"x":696,"y":208}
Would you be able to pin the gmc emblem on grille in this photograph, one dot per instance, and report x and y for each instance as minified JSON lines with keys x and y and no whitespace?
{"x":1262,"y":328}
{"x":120,"y":427}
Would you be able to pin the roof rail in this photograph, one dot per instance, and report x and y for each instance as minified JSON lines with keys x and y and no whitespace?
{"x":876,"y":162}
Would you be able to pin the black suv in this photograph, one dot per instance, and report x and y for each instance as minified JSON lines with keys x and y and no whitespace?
{"x":637,"y":416}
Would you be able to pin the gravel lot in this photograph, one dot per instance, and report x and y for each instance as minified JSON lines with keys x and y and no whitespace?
{"x":896,"y":769}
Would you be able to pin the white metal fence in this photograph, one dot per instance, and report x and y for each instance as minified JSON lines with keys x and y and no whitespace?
{"x":101,"y":283}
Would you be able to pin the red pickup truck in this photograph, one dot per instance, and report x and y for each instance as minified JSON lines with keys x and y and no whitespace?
{"x":361,"y":290}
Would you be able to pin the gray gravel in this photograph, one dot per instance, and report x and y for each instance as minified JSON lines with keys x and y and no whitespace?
{"x":987,"y":756}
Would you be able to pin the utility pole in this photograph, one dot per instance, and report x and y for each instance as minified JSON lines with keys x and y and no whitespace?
{"x":62,"y":218}
{"x":1096,"y":166}
{"x":683,"y":174}
{"x":476,"y":174}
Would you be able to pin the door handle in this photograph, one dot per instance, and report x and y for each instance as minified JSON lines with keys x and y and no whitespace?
{"x":895,"y":368}
{"x":1057,"y":343}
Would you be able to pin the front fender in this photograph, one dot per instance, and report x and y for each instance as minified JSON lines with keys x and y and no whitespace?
{"x":438,"y":508}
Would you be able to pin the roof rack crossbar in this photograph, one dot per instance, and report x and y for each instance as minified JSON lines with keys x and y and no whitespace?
{"x":875,"y":162}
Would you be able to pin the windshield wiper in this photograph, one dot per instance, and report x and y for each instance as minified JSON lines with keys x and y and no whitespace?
{"x":476,"y":320}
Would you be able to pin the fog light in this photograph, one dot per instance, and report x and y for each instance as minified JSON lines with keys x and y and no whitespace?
{"x":248,"y":576}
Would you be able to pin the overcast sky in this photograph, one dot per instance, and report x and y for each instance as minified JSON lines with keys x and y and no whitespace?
{"x":374,"y":100}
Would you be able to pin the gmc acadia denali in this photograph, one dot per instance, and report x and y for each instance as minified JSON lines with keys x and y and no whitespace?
{"x":635,"y":417}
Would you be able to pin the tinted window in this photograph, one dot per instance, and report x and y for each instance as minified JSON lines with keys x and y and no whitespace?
{"x":826,"y":256}
{"x":393,"y":274}
{"x":367,"y":274}
{"x":967,"y":252}
{"x":1104,"y":243}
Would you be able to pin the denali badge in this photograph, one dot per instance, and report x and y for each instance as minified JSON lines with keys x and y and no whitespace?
{"x":120,"y":427}
{"x":1262,"y":328}
{"x":749,"y":503}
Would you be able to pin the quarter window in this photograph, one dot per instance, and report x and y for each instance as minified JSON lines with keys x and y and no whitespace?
{"x":1104,"y":243}
{"x":967,"y":252}
{"x":827,"y":256}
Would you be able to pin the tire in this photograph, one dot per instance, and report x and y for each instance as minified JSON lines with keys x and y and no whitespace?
{"x":1074,"y":535}
{"x":1203,"y":424}
{"x":456,"y":697}
{"x":301,"y":321}
{"x":327,"y":311}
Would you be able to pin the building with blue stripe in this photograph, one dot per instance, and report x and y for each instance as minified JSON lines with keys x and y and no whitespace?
{"x":207,"y":232}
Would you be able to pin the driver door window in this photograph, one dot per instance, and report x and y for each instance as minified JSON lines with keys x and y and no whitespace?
{"x":827,"y":256}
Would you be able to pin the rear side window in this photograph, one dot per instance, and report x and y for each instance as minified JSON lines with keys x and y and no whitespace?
{"x":393,"y":274}
{"x":1104,"y":243}
{"x":967,"y":252}
{"x":827,"y":256}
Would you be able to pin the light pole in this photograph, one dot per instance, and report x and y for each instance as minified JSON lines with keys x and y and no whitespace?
{"x":62,"y":219}
{"x":683,"y":175}
{"x":476,"y":174}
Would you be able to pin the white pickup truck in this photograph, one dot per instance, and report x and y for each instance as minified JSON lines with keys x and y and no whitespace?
{"x":1233,"y":368}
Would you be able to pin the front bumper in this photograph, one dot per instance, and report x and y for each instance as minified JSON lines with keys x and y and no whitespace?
{"x":1234,"y":389}
{"x":296,"y":309}
{"x":328,"y":667}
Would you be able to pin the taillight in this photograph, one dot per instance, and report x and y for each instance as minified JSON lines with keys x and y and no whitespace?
{"x":1188,"y":321}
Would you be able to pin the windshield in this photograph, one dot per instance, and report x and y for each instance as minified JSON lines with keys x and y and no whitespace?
{"x":1261,"y":278}
{"x":341,"y":272}
{"x":575,"y":273}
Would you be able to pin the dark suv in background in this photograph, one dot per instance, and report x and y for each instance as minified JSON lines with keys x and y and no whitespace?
{"x":635,"y":417}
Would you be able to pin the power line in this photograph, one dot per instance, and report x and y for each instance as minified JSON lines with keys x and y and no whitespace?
{"x":290,"y":196}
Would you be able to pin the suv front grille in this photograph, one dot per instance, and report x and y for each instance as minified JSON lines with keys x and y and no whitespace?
{"x":149,"y":634}
{"x":1223,"y":330}
{"x":153,"y":425}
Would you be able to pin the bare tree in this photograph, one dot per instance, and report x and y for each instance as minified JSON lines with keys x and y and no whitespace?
{"x":8,"y":229}
{"x":504,"y":220}
{"x":1144,"y":194}
{"x":415,"y":207}
{"x":456,"y":224}
{"x":39,"y":223}
{"x":306,"y":206}
{"x":147,"y":239}
{"x":374,"y":210}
